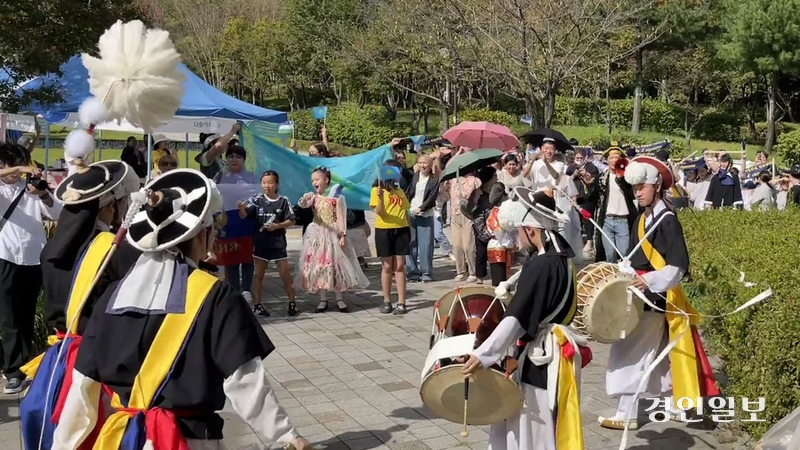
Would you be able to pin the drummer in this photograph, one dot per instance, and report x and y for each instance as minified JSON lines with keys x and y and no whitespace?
{"x":543,"y":305}
{"x":660,"y":263}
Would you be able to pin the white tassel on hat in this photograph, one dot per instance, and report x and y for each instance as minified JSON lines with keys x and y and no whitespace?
{"x":137,"y":75}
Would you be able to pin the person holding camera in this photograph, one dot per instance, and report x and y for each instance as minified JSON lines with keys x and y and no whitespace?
{"x":24,"y":202}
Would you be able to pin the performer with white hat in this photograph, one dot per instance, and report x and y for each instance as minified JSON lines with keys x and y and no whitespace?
{"x":660,"y":263}
{"x":539,"y":314}
{"x":95,"y":198}
{"x":172,"y":342}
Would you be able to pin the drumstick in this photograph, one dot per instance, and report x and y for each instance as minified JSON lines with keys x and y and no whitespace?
{"x":464,"y":432}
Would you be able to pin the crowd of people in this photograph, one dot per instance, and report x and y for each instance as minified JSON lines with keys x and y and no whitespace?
{"x":412,"y":208}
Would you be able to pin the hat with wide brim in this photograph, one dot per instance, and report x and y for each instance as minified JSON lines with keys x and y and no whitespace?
{"x":92,"y":182}
{"x":188,"y":197}
{"x":540,"y":204}
{"x":614,"y":148}
{"x":637,"y":173}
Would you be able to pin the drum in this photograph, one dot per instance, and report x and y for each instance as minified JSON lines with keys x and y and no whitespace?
{"x":603,"y":311}
{"x":462,"y":319}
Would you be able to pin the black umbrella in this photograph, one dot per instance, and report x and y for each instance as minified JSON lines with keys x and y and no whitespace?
{"x":537,"y":137}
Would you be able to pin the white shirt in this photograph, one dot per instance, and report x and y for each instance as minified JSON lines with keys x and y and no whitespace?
{"x":541,"y":178}
{"x":419,"y":195}
{"x":617,"y":206}
{"x":22,"y":238}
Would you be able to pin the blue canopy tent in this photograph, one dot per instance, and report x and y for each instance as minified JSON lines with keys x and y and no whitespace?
{"x":200,"y":99}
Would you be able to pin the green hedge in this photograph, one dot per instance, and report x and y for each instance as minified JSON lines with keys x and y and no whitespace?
{"x":488,"y":115}
{"x":350,"y":125}
{"x":759,"y":347}
{"x":656,"y":116}
{"x":788,"y":148}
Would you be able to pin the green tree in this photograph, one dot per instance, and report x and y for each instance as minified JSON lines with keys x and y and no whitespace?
{"x":763,"y":36}
{"x":38,"y":36}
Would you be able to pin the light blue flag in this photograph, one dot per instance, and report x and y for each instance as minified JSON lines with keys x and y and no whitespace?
{"x":354,"y":173}
{"x":319,"y":112}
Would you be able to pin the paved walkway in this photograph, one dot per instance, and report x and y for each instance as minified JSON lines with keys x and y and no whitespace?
{"x":350,"y":381}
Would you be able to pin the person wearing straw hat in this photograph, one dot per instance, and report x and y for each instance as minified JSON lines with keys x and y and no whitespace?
{"x":616,"y":209}
{"x":538,"y":315}
{"x":659,"y":261}
{"x":172,"y":341}
{"x":95,"y":199}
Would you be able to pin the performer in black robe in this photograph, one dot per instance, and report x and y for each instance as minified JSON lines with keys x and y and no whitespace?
{"x":92,"y":197}
{"x":84,"y":216}
{"x":725,"y":189}
{"x":660,"y":263}
{"x":172,"y":342}
{"x":539,"y":314}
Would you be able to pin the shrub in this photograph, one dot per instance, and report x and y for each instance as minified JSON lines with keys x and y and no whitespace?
{"x":759,"y":346}
{"x":306,"y":128}
{"x":788,"y":148}
{"x":368,"y":127}
{"x":761,"y":131}
{"x":603,"y":141}
{"x":487,"y":115}
{"x":656,"y":116}
{"x":718,"y":126}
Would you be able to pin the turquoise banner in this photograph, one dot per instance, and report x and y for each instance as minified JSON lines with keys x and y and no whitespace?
{"x":354,"y":173}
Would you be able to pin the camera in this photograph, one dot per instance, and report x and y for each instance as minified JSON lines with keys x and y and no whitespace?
{"x":38,"y":183}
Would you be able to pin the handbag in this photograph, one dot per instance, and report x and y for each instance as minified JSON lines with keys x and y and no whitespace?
{"x":11,"y":208}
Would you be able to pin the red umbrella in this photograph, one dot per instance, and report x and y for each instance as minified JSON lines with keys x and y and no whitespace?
{"x":481,"y":135}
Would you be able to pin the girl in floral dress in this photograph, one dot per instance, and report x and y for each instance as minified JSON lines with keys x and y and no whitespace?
{"x":327,"y":262}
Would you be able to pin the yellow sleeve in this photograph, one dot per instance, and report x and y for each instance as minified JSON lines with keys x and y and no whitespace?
{"x":373,"y":198}
{"x":406,"y":203}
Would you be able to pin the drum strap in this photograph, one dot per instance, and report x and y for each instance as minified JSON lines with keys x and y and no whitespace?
{"x":570,"y":284}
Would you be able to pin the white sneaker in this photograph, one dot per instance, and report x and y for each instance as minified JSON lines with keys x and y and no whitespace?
{"x":472,"y":279}
{"x":248,"y":296}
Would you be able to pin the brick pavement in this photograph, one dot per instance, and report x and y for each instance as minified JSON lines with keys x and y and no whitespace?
{"x":350,"y":381}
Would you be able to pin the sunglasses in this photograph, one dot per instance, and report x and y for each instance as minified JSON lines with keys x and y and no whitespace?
{"x":168,"y":164}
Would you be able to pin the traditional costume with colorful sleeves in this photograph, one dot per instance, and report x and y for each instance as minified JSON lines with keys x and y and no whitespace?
{"x":662,"y":260}
{"x":172,"y":342}
{"x":70,"y":262}
{"x":537,"y":321}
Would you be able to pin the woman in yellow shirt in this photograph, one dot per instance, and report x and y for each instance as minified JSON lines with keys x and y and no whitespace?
{"x":392,"y":238}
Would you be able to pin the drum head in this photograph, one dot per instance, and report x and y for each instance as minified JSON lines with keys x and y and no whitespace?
{"x":606,"y":314}
{"x":492,"y":396}
{"x":446,"y":301}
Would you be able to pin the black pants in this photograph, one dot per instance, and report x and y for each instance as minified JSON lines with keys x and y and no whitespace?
{"x":497,"y":270}
{"x":19,"y":292}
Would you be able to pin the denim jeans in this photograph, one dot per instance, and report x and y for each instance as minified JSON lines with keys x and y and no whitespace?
{"x":421,"y":247}
{"x":233,"y":273}
{"x":616,"y":228}
{"x":438,"y":233}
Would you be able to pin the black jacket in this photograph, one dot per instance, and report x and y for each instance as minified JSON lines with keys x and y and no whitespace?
{"x":598,"y":195}
{"x":431,"y":191}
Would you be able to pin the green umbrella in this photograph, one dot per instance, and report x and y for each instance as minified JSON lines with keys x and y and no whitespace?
{"x":470,"y":162}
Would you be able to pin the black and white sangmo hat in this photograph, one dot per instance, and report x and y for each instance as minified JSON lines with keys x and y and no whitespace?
{"x":535,"y":209}
{"x":190,"y":199}
{"x":91,"y":182}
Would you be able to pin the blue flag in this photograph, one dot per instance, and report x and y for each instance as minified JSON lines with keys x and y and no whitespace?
{"x":389,"y":173}
{"x":319,"y":112}
{"x":354,"y":173}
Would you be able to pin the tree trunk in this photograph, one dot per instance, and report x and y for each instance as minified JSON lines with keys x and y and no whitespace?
{"x":638,"y":92}
{"x":772,"y":93}
{"x":549,"y":104}
{"x":608,"y":97}
{"x":444,"y":116}
{"x":425,"y":111}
